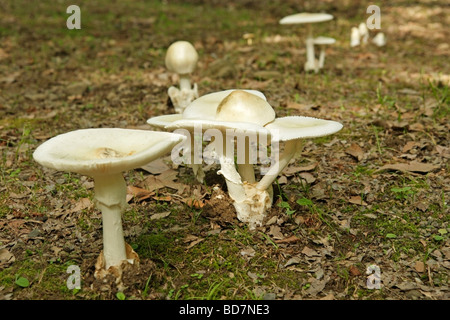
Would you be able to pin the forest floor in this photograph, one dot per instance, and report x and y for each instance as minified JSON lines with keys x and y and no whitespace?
{"x":374,"y":194}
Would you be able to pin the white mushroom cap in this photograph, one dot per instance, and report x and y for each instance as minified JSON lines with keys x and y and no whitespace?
{"x":379,"y":39}
{"x":163,"y":121}
{"x":206,"y":106}
{"x":181,"y":57}
{"x":306,"y":17}
{"x":201,"y":109}
{"x":238,"y":109}
{"x":324,"y":40}
{"x":96,"y":152}
{"x":299,"y":127}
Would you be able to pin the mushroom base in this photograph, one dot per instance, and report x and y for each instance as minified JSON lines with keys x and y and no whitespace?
{"x":253,"y":209}
{"x":181,"y":98}
{"x":100,"y":266}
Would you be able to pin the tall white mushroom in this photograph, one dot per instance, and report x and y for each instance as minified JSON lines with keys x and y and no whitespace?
{"x":182,"y":58}
{"x":243,"y":114}
{"x":308,"y":18}
{"x":104,"y":154}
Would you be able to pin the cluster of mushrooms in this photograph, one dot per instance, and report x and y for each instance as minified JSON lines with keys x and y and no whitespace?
{"x":231,"y":120}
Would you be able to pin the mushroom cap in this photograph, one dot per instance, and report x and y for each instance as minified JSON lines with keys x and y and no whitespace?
{"x":205,"y":107}
{"x":181,"y":57}
{"x":163,"y":121}
{"x":101,"y":151}
{"x":201,"y":109}
{"x":306,"y":17}
{"x":299,"y":127}
{"x":232,"y":109}
{"x":324,"y":40}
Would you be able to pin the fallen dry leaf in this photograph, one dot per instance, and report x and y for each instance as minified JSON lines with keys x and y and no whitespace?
{"x":419,"y":266}
{"x":6,"y":257}
{"x":156,"y":167}
{"x":291,"y":170}
{"x":411,"y":167}
{"x":82,"y":204}
{"x":160,"y":215}
{"x":139,"y":193}
{"x":310,"y":252}
{"x":288,"y":240}
{"x":356,"y":151}
{"x":357,"y":200}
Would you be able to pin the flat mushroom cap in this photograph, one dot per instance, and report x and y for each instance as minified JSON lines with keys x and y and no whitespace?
{"x":233,"y":109}
{"x":100,"y":151}
{"x":165,"y":120}
{"x":306,"y":17}
{"x":299,"y":127}
{"x":181,"y":57}
{"x":324,"y":40}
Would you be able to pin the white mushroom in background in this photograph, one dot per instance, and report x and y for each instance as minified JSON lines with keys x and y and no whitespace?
{"x":308,"y":18}
{"x":239,"y":114}
{"x":104,"y":154}
{"x":363,"y":33}
{"x":182,"y":58}
{"x":355,"y":37}
{"x":379,"y":39}
{"x":322,"y":41}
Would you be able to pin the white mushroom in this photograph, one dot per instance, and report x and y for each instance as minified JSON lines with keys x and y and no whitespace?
{"x":308,"y":18}
{"x":322,"y":41}
{"x":182,"y":58}
{"x":363,"y":33}
{"x":243,"y":114}
{"x":355,"y":37}
{"x":204,"y":108}
{"x":379,"y":39}
{"x":104,"y":154}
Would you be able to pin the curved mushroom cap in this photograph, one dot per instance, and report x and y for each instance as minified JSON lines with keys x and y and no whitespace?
{"x":102,"y":151}
{"x":324,"y":40}
{"x":299,"y":127}
{"x":306,"y":17}
{"x":181,"y":57}
{"x":237,"y":109}
{"x":205,"y":107}
{"x":240,"y":104}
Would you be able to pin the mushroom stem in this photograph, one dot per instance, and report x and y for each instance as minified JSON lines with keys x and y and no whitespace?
{"x":110,"y":195}
{"x":250,"y":203}
{"x":196,"y":151}
{"x":322,"y":58}
{"x":290,"y":149}
{"x":245,"y":169}
{"x":310,"y":55}
{"x":185,"y":82}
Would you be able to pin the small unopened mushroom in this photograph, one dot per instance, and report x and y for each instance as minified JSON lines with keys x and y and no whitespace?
{"x":104,"y":154}
{"x":246,"y":114}
{"x":182,"y":58}
{"x":379,"y":39}
{"x":322,"y":41}
{"x":308,"y":18}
